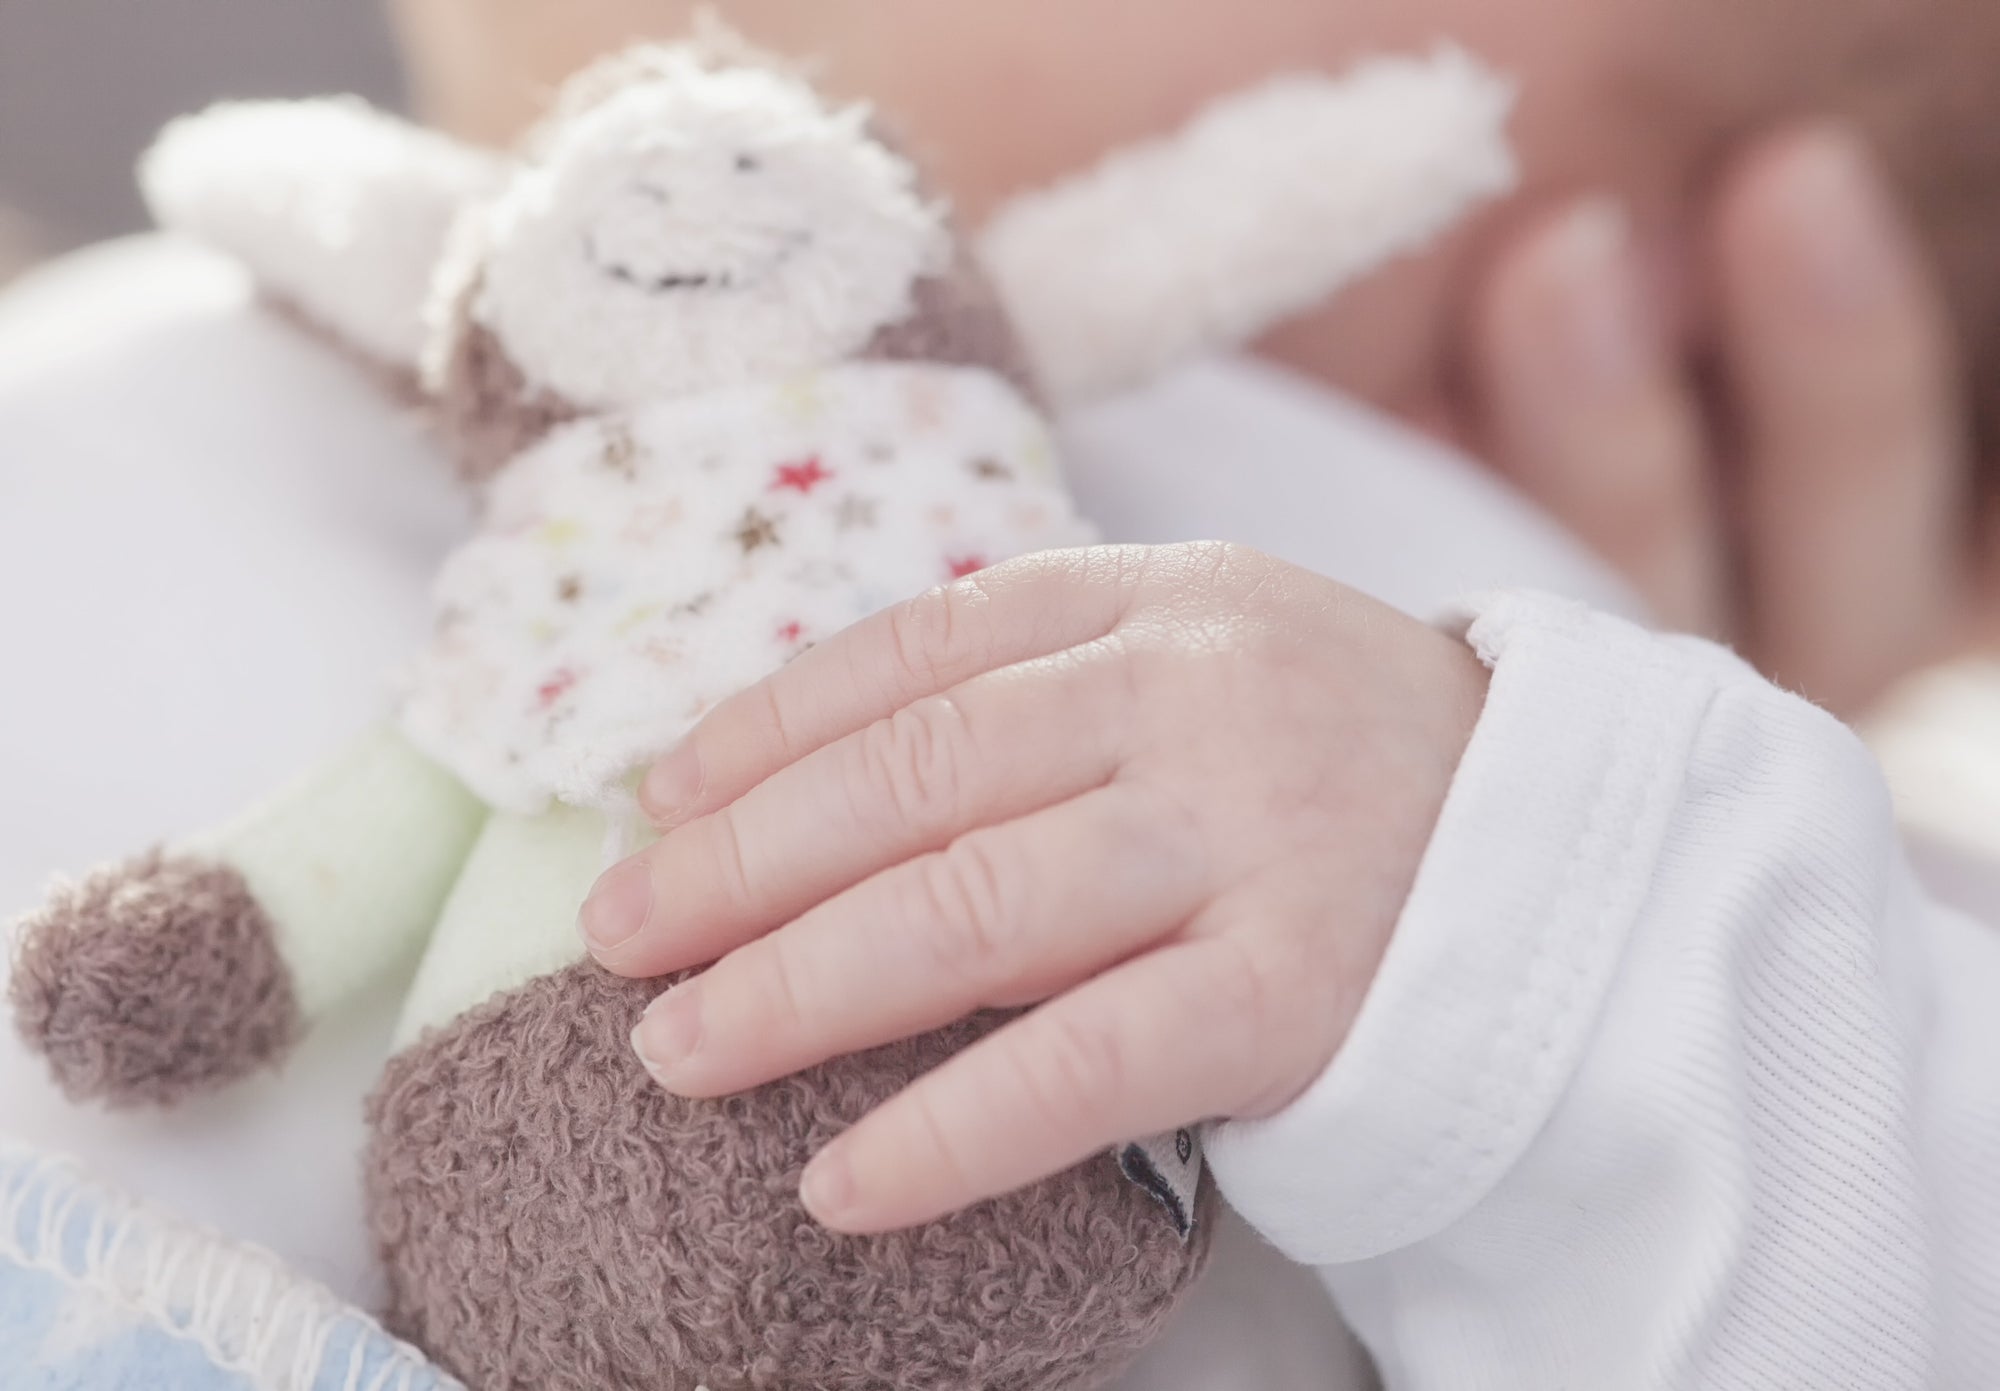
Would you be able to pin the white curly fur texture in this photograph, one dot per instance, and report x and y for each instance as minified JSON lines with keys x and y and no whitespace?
{"x":1261,"y":208}
{"x":703,"y":227}
{"x":335,"y":207}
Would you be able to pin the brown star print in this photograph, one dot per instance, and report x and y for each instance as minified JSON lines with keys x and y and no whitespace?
{"x":756,"y":531}
{"x":988,"y":469}
{"x":621,"y":454}
{"x":569,"y":589}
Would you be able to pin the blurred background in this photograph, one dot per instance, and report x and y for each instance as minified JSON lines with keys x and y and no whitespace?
{"x":85,"y":83}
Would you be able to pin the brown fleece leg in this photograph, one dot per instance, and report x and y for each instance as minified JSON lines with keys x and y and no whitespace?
{"x":551,"y":1219}
{"x":152,"y":981}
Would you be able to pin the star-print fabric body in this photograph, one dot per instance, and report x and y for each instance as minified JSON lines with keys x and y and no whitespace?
{"x":632,"y":570}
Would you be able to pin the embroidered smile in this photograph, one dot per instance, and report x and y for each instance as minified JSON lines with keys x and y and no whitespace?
{"x":786,"y":246}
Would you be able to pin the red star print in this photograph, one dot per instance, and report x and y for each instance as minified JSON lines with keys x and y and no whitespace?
{"x":963,"y":565}
{"x":792,"y":632}
{"x":801,"y":478}
{"x":556,"y":687}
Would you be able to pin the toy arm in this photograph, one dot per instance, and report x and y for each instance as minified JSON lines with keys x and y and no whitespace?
{"x":181,"y":971}
{"x":339,"y":211}
{"x":1259,"y":210}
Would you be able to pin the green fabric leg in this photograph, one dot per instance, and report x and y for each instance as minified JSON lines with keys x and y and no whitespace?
{"x":353,"y":864}
{"x":512,"y":917}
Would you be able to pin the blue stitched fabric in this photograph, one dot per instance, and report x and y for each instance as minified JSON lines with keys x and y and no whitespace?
{"x":101,"y":1293}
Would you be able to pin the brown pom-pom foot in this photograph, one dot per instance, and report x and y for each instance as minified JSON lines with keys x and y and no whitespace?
{"x":552,"y":1219}
{"x":151,"y":982}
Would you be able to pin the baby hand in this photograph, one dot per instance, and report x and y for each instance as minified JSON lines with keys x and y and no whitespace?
{"x":1172,"y":797}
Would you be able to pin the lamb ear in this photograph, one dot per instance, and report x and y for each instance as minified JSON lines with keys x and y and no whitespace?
{"x":339,"y":211}
{"x":1258,"y":210}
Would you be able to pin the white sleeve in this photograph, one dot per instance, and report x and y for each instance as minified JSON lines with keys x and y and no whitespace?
{"x":1671,"y":1076}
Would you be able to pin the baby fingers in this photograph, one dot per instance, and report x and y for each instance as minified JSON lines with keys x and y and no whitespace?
{"x":1855,"y":464}
{"x":1153,"y":1045}
{"x":1014,"y":612}
{"x":1006,"y":915}
{"x":993,"y":748}
{"x":1590,"y":410}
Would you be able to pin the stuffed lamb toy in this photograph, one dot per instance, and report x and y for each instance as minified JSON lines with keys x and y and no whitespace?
{"x":725,"y":381}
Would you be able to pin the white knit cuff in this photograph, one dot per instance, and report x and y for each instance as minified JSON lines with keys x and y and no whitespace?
{"x":1508,"y":944}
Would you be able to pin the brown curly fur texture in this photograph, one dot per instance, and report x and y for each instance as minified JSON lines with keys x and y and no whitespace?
{"x":957,"y":322}
{"x":153,"y":981}
{"x":552,"y":1219}
{"x":487,"y":410}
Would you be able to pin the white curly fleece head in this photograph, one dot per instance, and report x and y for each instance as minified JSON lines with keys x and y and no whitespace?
{"x":701,"y":228}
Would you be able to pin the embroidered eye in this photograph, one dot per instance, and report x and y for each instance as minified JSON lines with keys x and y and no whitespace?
{"x":748,"y":164}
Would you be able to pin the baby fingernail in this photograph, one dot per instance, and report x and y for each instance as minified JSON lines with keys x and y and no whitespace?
{"x":827,"y":1188}
{"x":1849,"y":253}
{"x":1598,"y":309}
{"x":670,"y":1031}
{"x":618,"y":906}
{"x":673,"y":784}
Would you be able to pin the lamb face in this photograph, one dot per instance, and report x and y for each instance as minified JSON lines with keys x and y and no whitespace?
{"x":701,"y":229}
